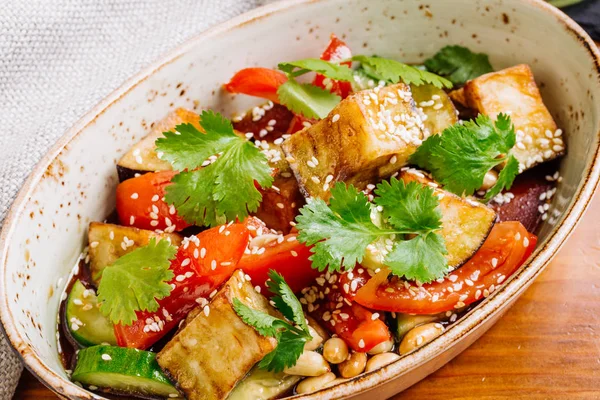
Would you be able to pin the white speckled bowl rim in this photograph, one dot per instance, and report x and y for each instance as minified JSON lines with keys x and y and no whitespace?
{"x":482,"y":313}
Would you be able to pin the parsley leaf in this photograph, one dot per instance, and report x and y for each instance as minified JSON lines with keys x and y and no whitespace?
{"x":338,"y":72}
{"x":290,"y":339}
{"x":342,"y":231}
{"x":459,"y":64}
{"x":339,"y":232}
{"x":394,"y":71}
{"x":462,"y":154}
{"x":224,"y":189}
{"x":306,"y":99}
{"x":135,"y":281}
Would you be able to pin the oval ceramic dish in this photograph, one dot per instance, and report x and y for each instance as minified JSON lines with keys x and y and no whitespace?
{"x":74,"y":183}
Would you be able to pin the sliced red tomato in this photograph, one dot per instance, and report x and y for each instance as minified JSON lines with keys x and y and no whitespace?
{"x":337,"y":50}
{"x":257,"y":82}
{"x":202,"y":264}
{"x":288,"y":257}
{"x":360,"y":328}
{"x":140,"y":203}
{"x":504,"y":251}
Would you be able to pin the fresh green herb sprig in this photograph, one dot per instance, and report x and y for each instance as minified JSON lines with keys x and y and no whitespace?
{"x":213,"y":191}
{"x":291,"y":334}
{"x":462,"y":154}
{"x":341,"y":231}
{"x":315,"y":102}
{"x":459,"y":64}
{"x":136,"y":281}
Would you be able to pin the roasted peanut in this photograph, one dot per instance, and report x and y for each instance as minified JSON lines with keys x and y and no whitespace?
{"x":315,"y":383}
{"x":380,"y":360}
{"x":489,"y":180}
{"x":315,"y":342}
{"x":382,"y":347}
{"x":354,"y":365}
{"x":335,"y":350}
{"x":419,"y":336}
{"x":310,"y":363}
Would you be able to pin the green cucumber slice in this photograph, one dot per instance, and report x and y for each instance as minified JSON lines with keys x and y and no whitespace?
{"x":86,"y":323}
{"x":122,"y":370}
{"x":260,"y":384}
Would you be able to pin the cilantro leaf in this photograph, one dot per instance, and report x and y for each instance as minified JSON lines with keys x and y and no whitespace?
{"x":341,"y":231}
{"x":394,"y":71}
{"x":136,"y":281}
{"x":224,"y":189}
{"x":460,"y":156}
{"x":338,"y":72}
{"x":420,"y":258}
{"x":285,"y":300}
{"x":409,"y":208}
{"x":290,"y":346}
{"x":306,"y":99}
{"x":290,"y":339}
{"x":264,"y":323}
{"x":505,"y":178}
{"x":459,"y":64}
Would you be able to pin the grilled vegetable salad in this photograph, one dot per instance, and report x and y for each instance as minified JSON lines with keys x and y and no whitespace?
{"x":321,"y":235}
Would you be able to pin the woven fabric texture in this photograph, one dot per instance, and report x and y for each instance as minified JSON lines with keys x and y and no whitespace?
{"x":59,"y":58}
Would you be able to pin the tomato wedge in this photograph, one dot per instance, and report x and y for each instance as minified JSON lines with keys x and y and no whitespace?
{"x":337,"y":50}
{"x":140,"y":203}
{"x":504,"y":251}
{"x":288,"y":257}
{"x":202,"y":264}
{"x":257,"y":82}
{"x":361,"y":328}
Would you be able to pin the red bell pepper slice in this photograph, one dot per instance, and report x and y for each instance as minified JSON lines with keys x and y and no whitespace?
{"x":257,"y":82}
{"x":202,"y":264}
{"x":337,"y":50}
{"x":288,"y":257}
{"x":140,"y":203}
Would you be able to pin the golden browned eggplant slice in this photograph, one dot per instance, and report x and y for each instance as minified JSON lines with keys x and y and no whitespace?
{"x":108,"y":242}
{"x":513,"y":91}
{"x":142,"y":156}
{"x":366,"y":137}
{"x":466,"y":222}
{"x":215,"y":349}
{"x":437,"y":107}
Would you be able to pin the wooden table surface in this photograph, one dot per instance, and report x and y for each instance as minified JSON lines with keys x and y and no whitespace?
{"x":546,"y":346}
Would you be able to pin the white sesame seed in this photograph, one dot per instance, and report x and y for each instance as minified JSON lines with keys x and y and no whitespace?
{"x":155,"y":197}
{"x":134,"y":196}
{"x":335,"y":118}
{"x":525,"y":242}
{"x":280,"y":205}
{"x":213,"y":264}
{"x":206,"y":310}
{"x":361,"y":343}
{"x":294,"y":254}
{"x":93,"y":245}
{"x":106,"y":357}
